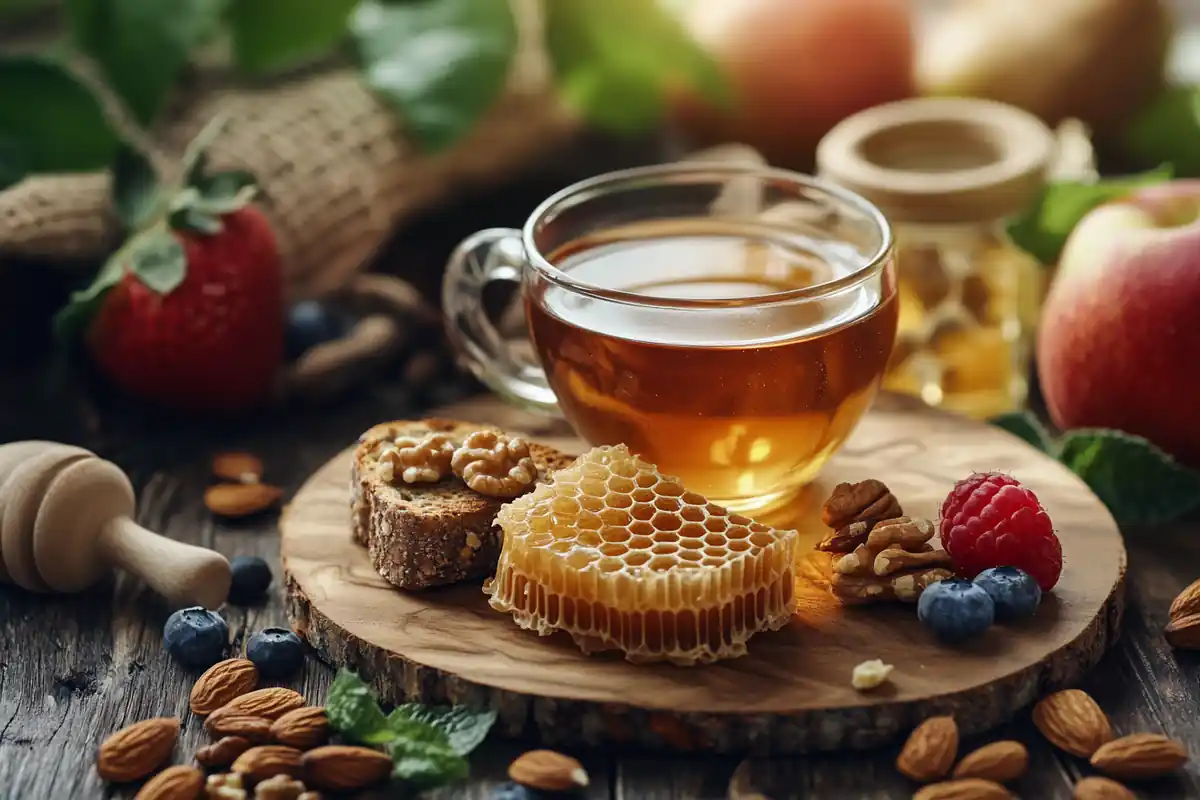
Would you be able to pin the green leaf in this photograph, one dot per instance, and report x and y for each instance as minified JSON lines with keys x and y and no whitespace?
{"x":136,"y":191}
{"x":1167,"y":131}
{"x":1138,"y":482}
{"x":424,"y":756}
{"x":52,"y":118}
{"x":616,"y":60}
{"x":1042,"y":229}
{"x":157,"y":258}
{"x":196,"y":220}
{"x":271,"y":36}
{"x":141,"y":46}
{"x":352,"y":709}
{"x":1025,"y":426}
{"x":440,"y":63}
{"x":72,"y":319}
{"x":13,"y":162}
{"x":464,"y":728}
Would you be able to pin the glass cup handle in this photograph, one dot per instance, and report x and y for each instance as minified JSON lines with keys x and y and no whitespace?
{"x":495,"y":254}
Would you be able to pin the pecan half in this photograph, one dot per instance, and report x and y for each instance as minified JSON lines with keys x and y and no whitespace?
{"x":495,"y":465}
{"x":866,"y":501}
{"x":845,"y":539}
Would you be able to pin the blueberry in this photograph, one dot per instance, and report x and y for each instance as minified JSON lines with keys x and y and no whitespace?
{"x":251,"y":577}
{"x":955,"y":609}
{"x":277,"y":652}
{"x":311,"y":323}
{"x":1013,"y":591}
{"x":515,"y":791}
{"x":196,"y":637}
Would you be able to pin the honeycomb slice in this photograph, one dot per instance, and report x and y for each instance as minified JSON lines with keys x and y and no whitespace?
{"x":621,"y":557}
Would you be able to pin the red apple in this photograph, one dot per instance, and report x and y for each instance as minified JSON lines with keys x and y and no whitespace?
{"x":1119,"y":345}
{"x":798,"y":67}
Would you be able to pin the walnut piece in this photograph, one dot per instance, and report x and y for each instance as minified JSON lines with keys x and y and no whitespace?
{"x":495,"y":465}
{"x":903,"y":586}
{"x":893,"y":545}
{"x":279,"y":787}
{"x":224,"y":786}
{"x":894,"y":560}
{"x":846,"y":538}
{"x":870,"y":674}
{"x":866,"y":501}
{"x":411,"y":460}
{"x":906,"y":533}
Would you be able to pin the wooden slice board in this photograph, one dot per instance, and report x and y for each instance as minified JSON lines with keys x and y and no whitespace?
{"x":792,"y":692}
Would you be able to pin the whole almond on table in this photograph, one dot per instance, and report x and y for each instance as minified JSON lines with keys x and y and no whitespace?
{"x":1140,"y":755}
{"x":930,"y":750}
{"x":222,"y":752}
{"x":267,"y":761}
{"x":173,"y":783}
{"x":222,"y":682}
{"x":1098,"y":788}
{"x":304,"y":728}
{"x":137,"y":750}
{"x":1001,"y":762}
{"x":1187,"y":603}
{"x":1072,"y":721}
{"x":269,"y":703}
{"x":548,"y":771}
{"x":1183,"y":633}
{"x":237,"y":467}
{"x":255,"y":730}
{"x":964,"y":789}
{"x":342,"y":767}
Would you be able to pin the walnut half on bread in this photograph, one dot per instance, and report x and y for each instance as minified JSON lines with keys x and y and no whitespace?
{"x":427,"y":534}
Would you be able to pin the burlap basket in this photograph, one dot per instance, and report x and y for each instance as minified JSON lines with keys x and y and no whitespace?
{"x":336,"y":170}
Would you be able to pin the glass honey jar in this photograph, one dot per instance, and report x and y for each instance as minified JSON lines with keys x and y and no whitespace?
{"x":948,"y":173}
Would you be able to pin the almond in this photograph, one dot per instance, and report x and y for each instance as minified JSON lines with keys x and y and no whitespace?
{"x":237,"y":467}
{"x":1183,"y":633}
{"x":930,"y":750}
{"x":338,"y":767}
{"x":999,"y":761}
{"x":259,"y":763}
{"x":136,"y":751}
{"x":255,"y":730}
{"x":304,"y":728}
{"x":1187,"y":603}
{"x":173,"y":783}
{"x":222,"y":682}
{"x":222,"y":752}
{"x":1140,"y":755}
{"x":1097,"y":788}
{"x":965,"y":789}
{"x":241,"y":499}
{"x":270,"y":703}
{"x":548,"y":771}
{"x":1072,"y":721}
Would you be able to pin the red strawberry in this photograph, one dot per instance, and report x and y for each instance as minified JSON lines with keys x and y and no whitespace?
{"x":189,"y":313}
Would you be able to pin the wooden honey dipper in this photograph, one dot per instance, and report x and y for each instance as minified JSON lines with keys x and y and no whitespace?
{"x":66,"y":519}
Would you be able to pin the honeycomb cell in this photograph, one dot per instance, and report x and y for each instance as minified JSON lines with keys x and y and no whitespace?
{"x":663,"y":521}
{"x":665,"y":580}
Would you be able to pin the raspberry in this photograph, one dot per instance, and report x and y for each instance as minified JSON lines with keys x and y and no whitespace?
{"x":991,"y":520}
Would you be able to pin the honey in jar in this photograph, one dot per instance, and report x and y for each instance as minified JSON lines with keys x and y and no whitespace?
{"x":948,"y":173}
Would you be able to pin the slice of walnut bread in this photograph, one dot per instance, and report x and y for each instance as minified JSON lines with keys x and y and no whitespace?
{"x":428,"y":534}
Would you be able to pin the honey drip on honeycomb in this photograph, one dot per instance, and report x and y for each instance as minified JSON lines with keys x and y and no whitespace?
{"x":621,"y":557}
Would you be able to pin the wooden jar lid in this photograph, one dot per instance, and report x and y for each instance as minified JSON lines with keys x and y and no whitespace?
{"x":940,"y":160}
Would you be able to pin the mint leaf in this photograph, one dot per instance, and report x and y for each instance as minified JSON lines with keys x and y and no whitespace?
{"x":136,"y":192}
{"x":464,"y":728}
{"x":1025,"y":426}
{"x":351,"y":708}
{"x":1042,"y":229}
{"x":440,"y":63}
{"x":142,"y":46}
{"x":423,"y":755}
{"x":1168,"y":131}
{"x":615,"y":60}
{"x":157,"y":258}
{"x":271,"y":36}
{"x":51,"y":118}
{"x":1138,"y":482}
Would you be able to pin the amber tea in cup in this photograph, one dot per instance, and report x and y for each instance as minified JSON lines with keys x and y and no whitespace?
{"x":729,"y":323}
